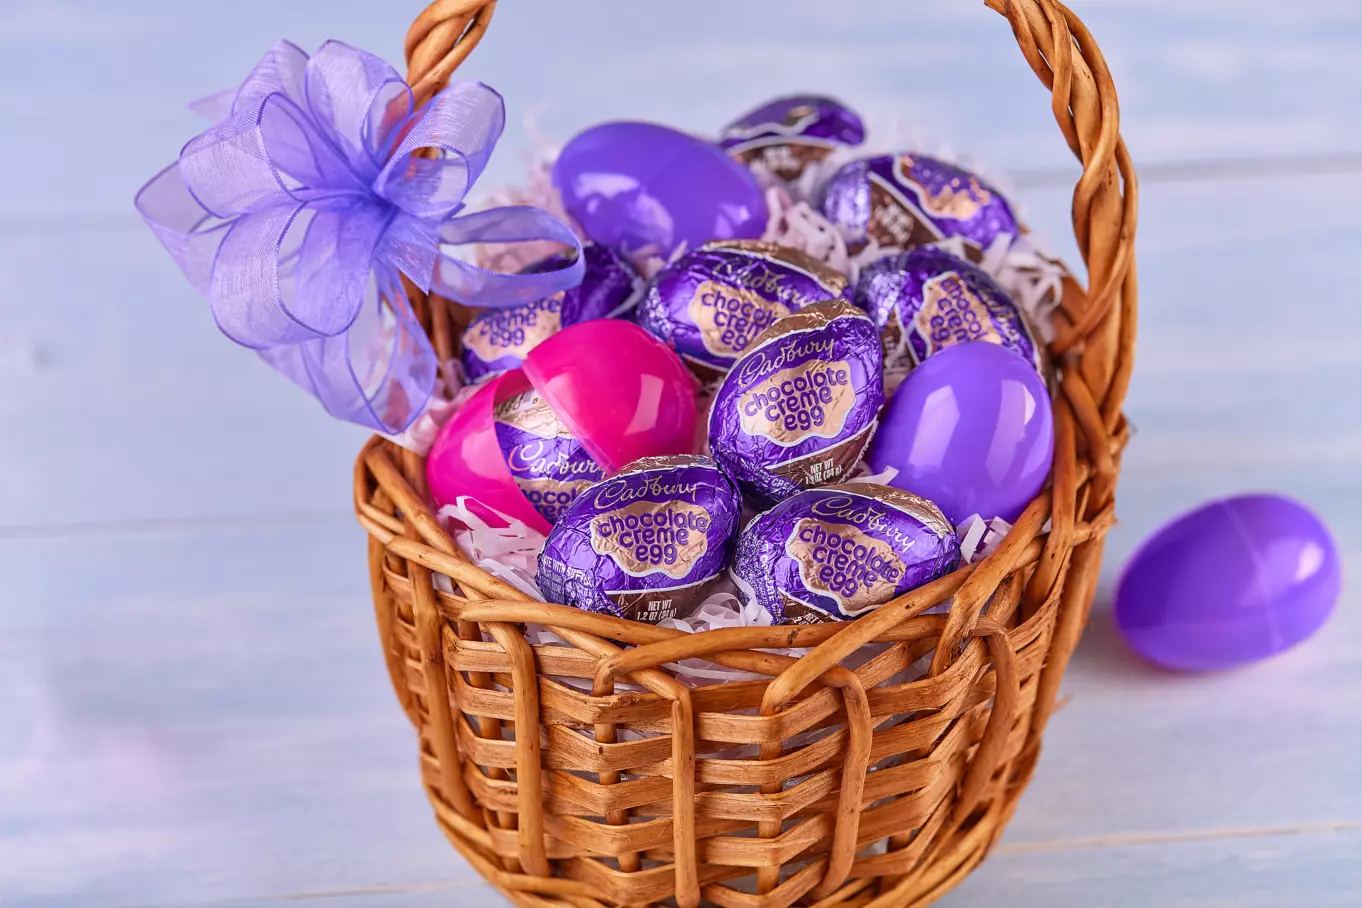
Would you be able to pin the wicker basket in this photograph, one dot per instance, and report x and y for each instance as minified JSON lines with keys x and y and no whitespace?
{"x":661,"y":792}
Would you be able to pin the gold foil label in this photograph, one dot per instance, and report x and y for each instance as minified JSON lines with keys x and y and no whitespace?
{"x":953,"y":314}
{"x":809,"y":318}
{"x":811,"y":399}
{"x":844,"y":562}
{"x":957,"y":200}
{"x":649,"y":537}
{"x":729,"y":318}
{"x":667,"y":461}
{"x":551,"y":497}
{"x":529,"y":412}
{"x":512,"y":332}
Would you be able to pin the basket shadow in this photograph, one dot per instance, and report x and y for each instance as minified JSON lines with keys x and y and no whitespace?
{"x":1102,"y":653}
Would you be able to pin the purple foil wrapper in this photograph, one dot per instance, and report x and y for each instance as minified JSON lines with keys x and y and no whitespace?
{"x":835,"y":553}
{"x":908,"y":200}
{"x":787,"y":135}
{"x":550,"y":466}
{"x":925,"y":300}
{"x":712,"y":303}
{"x":645,"y":544}
{"x":499,"y":339}
{"x":799,"y":407}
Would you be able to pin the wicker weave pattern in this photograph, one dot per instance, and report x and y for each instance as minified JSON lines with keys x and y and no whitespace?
{"x":585,"y":774}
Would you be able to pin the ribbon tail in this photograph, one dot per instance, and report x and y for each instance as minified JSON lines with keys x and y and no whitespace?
{"x":215,"y":107}
{"x":188,"y":231}
{"x":473,"y":286}
{"x":379,"y":374}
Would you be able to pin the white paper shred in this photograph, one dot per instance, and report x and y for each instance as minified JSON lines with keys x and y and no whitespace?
{"x":970,"y":533}
{"x":510,"y":552}
{"x":1032,"y":277}
{"x":538,"y":635}
{"x":797,"y":225}
{"x":884,"y":477}
{"x":979,"y":537}
{"x":722,"y":608}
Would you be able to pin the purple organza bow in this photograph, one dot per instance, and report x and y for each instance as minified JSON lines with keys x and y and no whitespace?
{"x":298,"y":212}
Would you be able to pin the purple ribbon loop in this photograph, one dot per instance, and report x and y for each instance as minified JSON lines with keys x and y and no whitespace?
{"x":298,"y":212}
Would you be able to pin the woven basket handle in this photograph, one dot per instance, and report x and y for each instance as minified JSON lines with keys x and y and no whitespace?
{"x":1096,"y":330}
{"x":1099,"y":325}
{"x":440,"y":39}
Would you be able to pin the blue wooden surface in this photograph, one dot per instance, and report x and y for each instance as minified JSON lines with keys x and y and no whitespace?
{"x":193,"y":710}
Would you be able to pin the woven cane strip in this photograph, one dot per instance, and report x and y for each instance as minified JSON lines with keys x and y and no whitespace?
{"x":582,"y":774}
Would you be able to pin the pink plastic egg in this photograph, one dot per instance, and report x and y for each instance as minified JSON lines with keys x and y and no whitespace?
{"x":613,"y":387}
{"x":1228,"y":584}
{"x":620,"y":390}
{"x":466,"y":458}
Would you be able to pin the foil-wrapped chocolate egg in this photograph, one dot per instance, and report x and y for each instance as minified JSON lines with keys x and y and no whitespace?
{"x":646,"y":543}
{"x":906,"y":200}
{"x":798,"y":409}
{"x":925,"y":300}
{"x":500,"y":339}
{"x":786,"y":136}
{"x":835,"y":553}
{"x":549,"y":465}
{"x":712,"y":303}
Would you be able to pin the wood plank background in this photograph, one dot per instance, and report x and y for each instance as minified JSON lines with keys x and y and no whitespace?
{"x":193,"y":710}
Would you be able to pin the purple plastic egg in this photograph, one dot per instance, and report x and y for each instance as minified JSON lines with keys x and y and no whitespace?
{"x":1230,"y":583}
{"x":639,"y":185}
{"x":970,"y":429}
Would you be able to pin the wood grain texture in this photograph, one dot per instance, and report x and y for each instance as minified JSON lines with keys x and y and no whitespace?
{"x":135,"y":381}
{"x":1258,"y":871}
{"x":1318,"y":869}
{"x":166,"y":710}
{"x":1214,"y":79}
